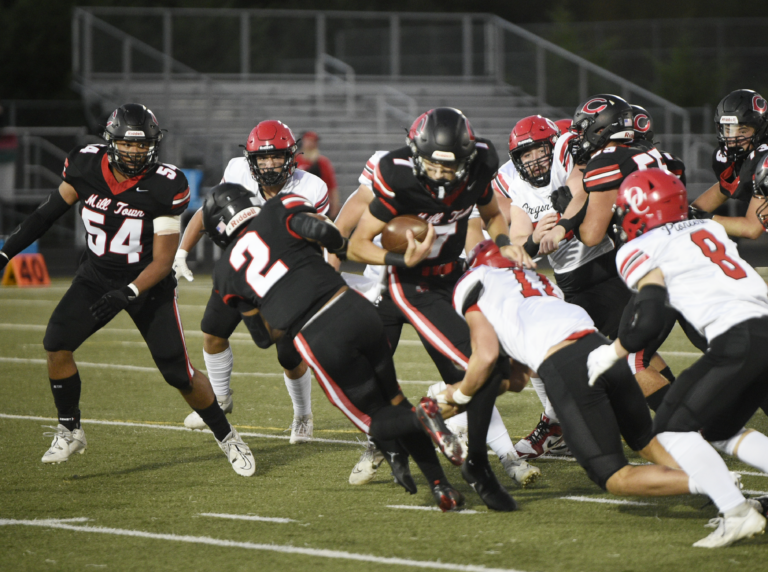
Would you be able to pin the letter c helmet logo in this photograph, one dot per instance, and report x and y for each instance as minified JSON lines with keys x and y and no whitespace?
{"x":636,"y":199}
{"x":759,"y":104}
{"x":594,"y":106}
{"x":642,"y":123}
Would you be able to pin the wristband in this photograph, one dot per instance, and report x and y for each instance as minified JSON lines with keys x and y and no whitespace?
{"x":181,"y":253}
{"x":531,"y":247}
{"x":502,"y":240}
{"x":394,"y":259}
{"x":133,"y":289}
{"x":460,"y":399}
{"x":568,"y":224}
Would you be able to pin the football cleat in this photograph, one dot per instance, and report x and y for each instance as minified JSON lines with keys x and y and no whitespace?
{"x":487,"y":486}
{"x":302,"y":429}
{"x":520,"y":471}
{"x":760,"y":504}
{"x":447,"y":498}
{"x":64,"y":444}
{"x":428,"y":413}
{"x":401,"y":470}
{"x":733,"y":528}
{"x":194,"y":421}
{"x":546,"y":438}
{"x":365,"y":469}
{"x":238,"y":453}
{"x":462,"y":434}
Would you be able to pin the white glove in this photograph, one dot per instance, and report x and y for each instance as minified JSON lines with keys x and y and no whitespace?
{"x":180,"y":265}
{"x":599,"y":361}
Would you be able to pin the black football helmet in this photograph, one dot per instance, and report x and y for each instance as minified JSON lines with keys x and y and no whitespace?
{"x":133,"y":122}
{"x":442,"y":135}
{"x":227,"y":208}
{"x":642,"y":123}
{"x":760,"y":187}
{"x":741,"y":107}
{"x":599,"y":120}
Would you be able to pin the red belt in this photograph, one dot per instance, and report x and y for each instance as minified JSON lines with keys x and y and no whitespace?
{"x":579,"y":335}
{"x":440,"y":270}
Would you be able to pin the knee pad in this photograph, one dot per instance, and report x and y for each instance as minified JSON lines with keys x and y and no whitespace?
{"x":287,"y":354}
{"x":600,"y":469}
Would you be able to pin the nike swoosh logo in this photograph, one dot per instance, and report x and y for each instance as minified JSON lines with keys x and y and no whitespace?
{"x":138,"y":190}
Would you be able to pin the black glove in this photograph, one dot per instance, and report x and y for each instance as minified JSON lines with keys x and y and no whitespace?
{"x":341,"y":252}
{"x":3,"y":262}
{"x":695,"y":213}
{"x":561,"y":198}
{"x":112,"y":303}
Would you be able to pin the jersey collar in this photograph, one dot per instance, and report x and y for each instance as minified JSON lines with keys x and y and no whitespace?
{"x":114,"y":186}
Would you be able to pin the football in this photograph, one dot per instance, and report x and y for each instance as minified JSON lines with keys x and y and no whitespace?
{"x":393,"y":236}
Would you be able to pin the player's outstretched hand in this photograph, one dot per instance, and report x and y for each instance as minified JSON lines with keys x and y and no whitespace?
{"x":544,"y":225}
{"x":418,"y":251}
{"x":111,"y":304}
{"x":517,"y":254}
{"x":599,"y":361}
{"x":551,"y":240}
{"x":180,"y":265}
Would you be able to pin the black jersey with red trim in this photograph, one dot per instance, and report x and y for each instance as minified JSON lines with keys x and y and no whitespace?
{"x":610,"y":166}
{"x":118,"y":216}
{"x":675,"y":165}
{"x":272,"y":268}
{"x":398,"y":192}
{"x":737,"y":178}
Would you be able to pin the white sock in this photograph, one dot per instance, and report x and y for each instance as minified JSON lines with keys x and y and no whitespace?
{"x":747,"y":445}
{"x":702,"y":463}
{"x":498,"y":437}
{"x":300,"y":391}
{"x":219,"y":368}
{"x":541,"y":391}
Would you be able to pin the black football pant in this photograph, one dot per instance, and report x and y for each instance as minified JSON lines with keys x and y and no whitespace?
{"x":345,"y":345}
{"x":595,"y":418}
{"x":155,"y":313}
{"x":221,"y":320}
{"x":719,"y":393}
{"x":426,"y":303}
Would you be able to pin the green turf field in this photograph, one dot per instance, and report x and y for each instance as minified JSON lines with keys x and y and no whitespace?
{"x":141,"y":497}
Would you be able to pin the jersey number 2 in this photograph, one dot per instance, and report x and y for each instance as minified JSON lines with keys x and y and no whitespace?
{"x":259,"y":251}
{"x":705,"y":240}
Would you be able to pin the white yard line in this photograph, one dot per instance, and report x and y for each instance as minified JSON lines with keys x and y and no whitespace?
{"x":752,"y":473}
{"x":607,"y":501}
{"x":173,"y":428}
{"x":248,"y":517}
{"x":284,"y":549}
{"x":749,"y":492}
{"x":431,"y":508}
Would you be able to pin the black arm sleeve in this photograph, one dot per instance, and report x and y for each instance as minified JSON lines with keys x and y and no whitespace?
{"x":648,"y":318}
{"x":531,"y":247}
{"x":315,"y":229}
{"x":574,"y":222}
{"x":36,"y":225}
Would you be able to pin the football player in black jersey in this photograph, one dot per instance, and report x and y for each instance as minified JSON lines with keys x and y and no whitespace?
{"x":605,"y":154}
{"x":742,"y":135}
{"x":130,"y":209}
{"x":273,"y":272}
{"x":440,"y":176}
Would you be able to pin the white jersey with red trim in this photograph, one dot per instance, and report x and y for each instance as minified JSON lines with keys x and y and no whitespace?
{"x":707,"y":280}
{"x":535,"y":201}
{"x":300,"y":183}
{"x":562,"y":160}
{"x":525,"y":309}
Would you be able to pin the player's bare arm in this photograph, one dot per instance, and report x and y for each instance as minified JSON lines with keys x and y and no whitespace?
{"x":362,"y":249}
{"x":747,"y":226}
{"x":647,"y":323}
{"x":485,"y":352}
{"x":496,"y":225}
{"x":710,"y":199}
{"x":474,"y":234}
{"x":504,"y":204}
{"x":350,"y":215}
{"x":598,"y":217}
{"x":163,"y":251}
{"x":520,"y":226}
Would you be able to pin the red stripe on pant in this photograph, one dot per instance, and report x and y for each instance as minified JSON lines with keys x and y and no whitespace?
{"x":334,"y":393}
{"x":423,"y":325}
{"x":190,"y":368}
{"x":635,"y":361}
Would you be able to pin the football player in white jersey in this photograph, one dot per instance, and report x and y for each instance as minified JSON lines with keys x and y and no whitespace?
{"x":517,"y":312}
{"x":693,"y":266}
{"x":539,"y":164}
{"x":372,"y":284}
{"x":267,"y":168}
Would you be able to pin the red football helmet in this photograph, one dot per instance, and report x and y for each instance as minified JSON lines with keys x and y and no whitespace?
{"x":270,"y":138}
{"x":648,"y":199}
{"x":564,"y":125}
{"x":488,"y":254}
{"x":529,"y":133}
